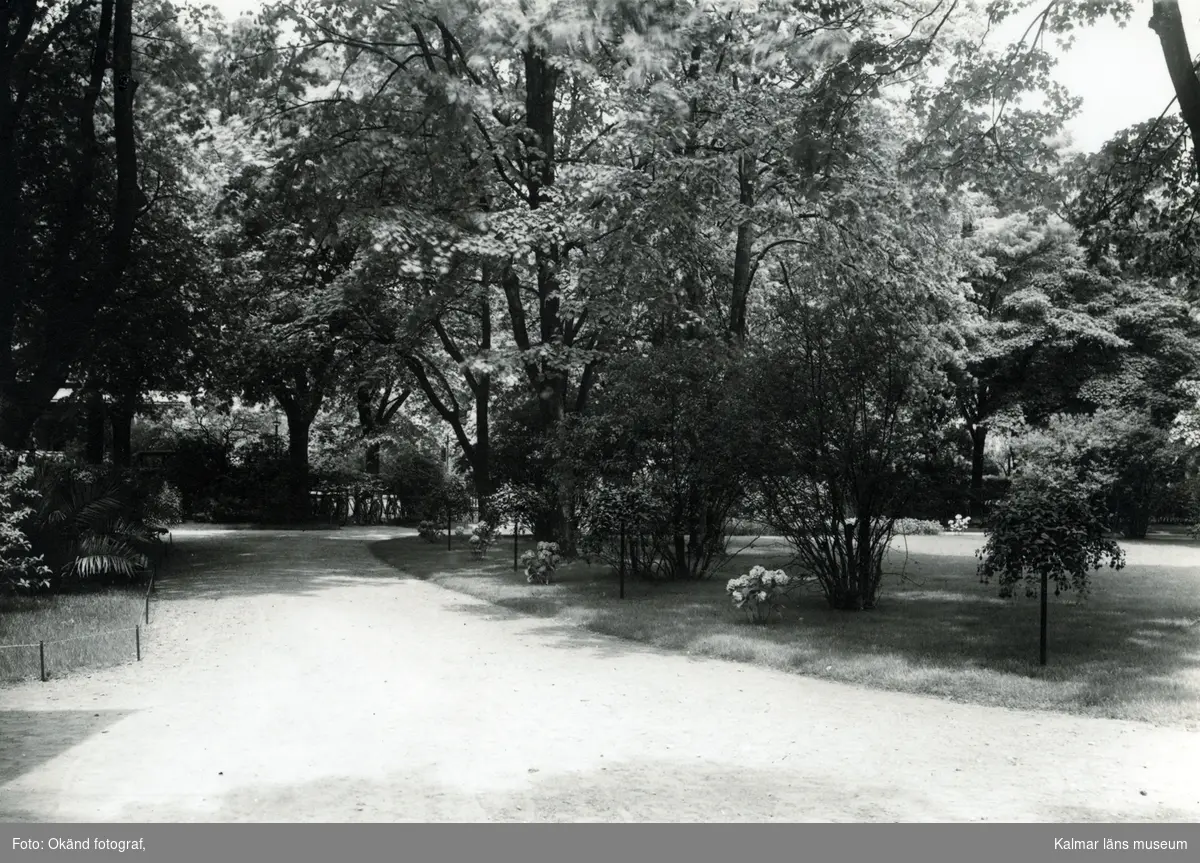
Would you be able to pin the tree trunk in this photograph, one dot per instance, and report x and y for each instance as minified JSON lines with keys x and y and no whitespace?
{"x":1167,"y":22}
{"x":299,"y":428}
{"x":481,"y":466}
{"x":129,"y":199}
{"x":1137,"y":524}
{"x":564,"y":527}
{"x":22,"y":403}
{"x":121,"y":419}
{"x":372,"y":460}
{"x":743,"y":271}
{"x":543,"y":528}
{"x":978,"y":442}
{"x":681,"y":562}
{"x":94,"y":448}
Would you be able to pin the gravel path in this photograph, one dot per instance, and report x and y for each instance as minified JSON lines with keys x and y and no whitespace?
{"x":291,"y":676}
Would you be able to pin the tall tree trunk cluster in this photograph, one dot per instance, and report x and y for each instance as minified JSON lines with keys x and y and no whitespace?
{"x":28,"y":384}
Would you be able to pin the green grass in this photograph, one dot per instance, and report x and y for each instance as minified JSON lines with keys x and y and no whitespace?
{"x":1130,"y":651}
{"x":76,"y":628}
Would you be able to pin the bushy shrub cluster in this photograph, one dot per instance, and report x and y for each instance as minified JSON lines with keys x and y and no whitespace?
{"x":164,"y":508}
{"x":63,"y":524}
{"x":480,"y":537}
{"x":916,"y":527}
{"x":430,"y":532}
{"x":21,"y":568}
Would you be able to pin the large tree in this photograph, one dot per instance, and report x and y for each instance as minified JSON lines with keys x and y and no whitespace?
{"x":865,"y":321}
{"x":71,"y":197}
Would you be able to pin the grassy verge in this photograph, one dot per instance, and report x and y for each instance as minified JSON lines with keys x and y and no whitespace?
{"x":1130,"y":651}
{"x":78,"y":631}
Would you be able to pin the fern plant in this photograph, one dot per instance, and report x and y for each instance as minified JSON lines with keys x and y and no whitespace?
{"x":88,"y":526}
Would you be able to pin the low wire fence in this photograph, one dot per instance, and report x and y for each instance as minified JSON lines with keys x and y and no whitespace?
{"x":45,"y":658}
{"x":57,"y":656}
{"x":365,"y":508}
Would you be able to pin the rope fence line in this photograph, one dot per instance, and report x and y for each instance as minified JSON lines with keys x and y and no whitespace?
{"x":76,"y":637}
{"x":135,"y":629}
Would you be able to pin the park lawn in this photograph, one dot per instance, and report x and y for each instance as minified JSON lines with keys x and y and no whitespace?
{"x":1130,"y":651}
{"x":78,"y":630}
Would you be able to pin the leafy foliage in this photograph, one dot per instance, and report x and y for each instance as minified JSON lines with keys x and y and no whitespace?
{"x":20,"y":567}
{"x":90,"y":525}
{"x":480,"y":537}
{"x":165,"y":508}
{"x":662,"y":449}
{"x":848,"y":381}
{"x":522,"y":503}
{"x":1051,"y":527}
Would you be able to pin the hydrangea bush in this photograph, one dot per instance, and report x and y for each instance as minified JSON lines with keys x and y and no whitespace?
{"x":482,"y":536}
{"x":959,"y":524}
{"x":759,"y":593}
{"x":916,"y":527}
{"x":541,"y":564}
{"x":429,"y":531}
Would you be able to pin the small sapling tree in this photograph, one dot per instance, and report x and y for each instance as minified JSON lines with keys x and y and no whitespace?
{"x":1051,"y":528}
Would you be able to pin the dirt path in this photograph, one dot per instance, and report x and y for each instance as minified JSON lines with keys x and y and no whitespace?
{"x":293,"y":677}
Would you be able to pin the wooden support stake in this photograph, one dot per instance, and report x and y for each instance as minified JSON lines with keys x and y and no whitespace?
{"x":137,"y":639}
{"x":622,"y":560}
{"x":1042,"y":653}
{"x":42,"y":659}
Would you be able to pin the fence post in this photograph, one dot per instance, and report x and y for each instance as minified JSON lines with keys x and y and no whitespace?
{"x":516,"y":533}
{"x":137,"y":639}
{"x":42,"y":659}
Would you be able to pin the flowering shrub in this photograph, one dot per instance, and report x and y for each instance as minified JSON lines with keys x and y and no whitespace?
{"x":482,"y":537}
{"x":959,"y":524}
{"x":164,"y":508}
{"x":21,"y":568}
{"x":916,"y":527}
{"x":540,"y":564}
{"x":759,"y":592}
{"x":429,"y":531}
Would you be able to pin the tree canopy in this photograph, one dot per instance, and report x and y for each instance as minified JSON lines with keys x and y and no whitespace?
{"x":798,"y":259}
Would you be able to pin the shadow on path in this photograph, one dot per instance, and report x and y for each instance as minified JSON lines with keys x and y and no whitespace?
{"x":219,"y":563}
{"x":30,"y":738}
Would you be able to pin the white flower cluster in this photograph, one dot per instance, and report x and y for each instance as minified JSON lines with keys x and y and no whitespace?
{"x":481,"y":537}
{"x":959,"y":523}
{"x":540,"y":566}
{"x":758,"y":591}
